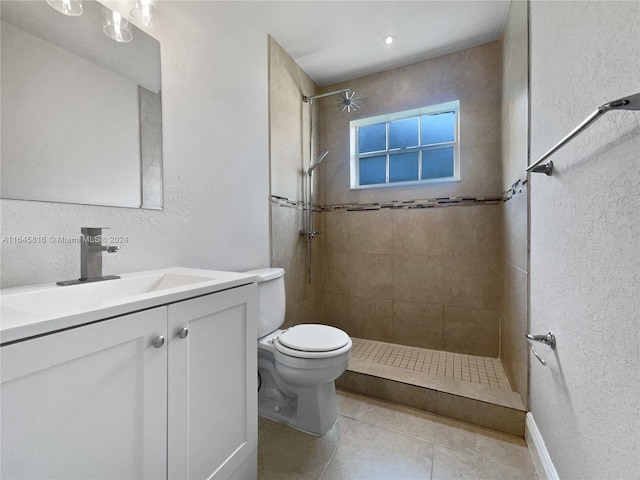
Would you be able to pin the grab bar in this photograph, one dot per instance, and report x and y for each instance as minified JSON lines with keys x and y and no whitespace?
{"x":631,"y":102}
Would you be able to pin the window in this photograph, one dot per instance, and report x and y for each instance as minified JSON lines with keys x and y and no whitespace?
{"x":406,"y":148}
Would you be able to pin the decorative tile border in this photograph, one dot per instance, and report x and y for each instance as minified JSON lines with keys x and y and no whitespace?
{"x":520,"y":186}
{"x":394,"y":204}
{"x":285,"y":202}
{"x":414,"y":204}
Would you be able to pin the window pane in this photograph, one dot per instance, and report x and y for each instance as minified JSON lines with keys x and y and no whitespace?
{"x":438,"y":128}
{"x":403,"y":167}
{"x":372,"y":138}
{"x":373,"y":170}
{"x":437,"y":163}
{"x":403,"y":133}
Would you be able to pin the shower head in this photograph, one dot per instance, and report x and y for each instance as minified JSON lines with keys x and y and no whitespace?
{"x":317,"y":162}
{"x":349,"y":101}
{"x":632,"y":102}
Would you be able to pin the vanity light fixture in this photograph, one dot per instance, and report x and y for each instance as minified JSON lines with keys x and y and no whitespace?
{"x":388,"y":40}
{"x":144,"y":11}
{"x":73,"y":8}
{"x":116,"y":27}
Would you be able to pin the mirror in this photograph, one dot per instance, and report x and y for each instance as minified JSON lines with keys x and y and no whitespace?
{"x":81,"y":113}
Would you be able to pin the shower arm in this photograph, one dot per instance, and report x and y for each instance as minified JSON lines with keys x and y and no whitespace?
{"x":311,"y":98}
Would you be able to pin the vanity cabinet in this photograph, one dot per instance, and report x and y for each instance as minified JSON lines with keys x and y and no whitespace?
{"x":135,"y":396}
{"x":212,"y":384}
{"x":88,"y":402}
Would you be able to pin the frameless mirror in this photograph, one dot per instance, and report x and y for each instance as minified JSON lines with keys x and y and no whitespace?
{"x":81,"y":113}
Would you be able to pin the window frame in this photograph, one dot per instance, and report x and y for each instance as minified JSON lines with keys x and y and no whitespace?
{"x":355,"y":156}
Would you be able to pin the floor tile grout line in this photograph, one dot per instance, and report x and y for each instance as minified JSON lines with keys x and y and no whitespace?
{"x":485,"y":371}
{"x":337,"y":445}
{"x":439,"y":420}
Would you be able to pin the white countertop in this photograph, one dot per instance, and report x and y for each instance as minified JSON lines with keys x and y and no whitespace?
{"x":37,"y":309}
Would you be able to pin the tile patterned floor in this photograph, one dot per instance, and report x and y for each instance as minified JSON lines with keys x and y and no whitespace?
{"x":485,"y":371}
{"x":378,"y":440}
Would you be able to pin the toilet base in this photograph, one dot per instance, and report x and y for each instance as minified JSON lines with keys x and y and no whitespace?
{"x":311,"y":410}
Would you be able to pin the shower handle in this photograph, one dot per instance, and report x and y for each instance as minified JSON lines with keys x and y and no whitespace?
{"x":312,"y":233}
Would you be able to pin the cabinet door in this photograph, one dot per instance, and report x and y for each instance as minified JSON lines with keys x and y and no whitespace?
{"x":86,"y":403}
{"x":212,"y":384}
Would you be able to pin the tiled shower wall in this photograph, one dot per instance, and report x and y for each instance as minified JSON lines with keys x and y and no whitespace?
{"x":425,"y":277}
{"x":513,"y":307}
{"x":289,"y":155}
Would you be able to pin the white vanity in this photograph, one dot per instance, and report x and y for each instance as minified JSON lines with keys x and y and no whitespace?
{"x":149,"y":376}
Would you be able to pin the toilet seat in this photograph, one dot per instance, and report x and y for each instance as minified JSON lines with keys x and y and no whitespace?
{"x":312,"y":341}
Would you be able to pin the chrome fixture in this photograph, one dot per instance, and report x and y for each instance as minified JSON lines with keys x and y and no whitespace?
{"x":116,"y":27}
{"x":144,"y":11}
{"x":91,"y":249}
{"x":311,"y":98}
{"x":72,"y":8}
{"x":349,"y":103}
{"x":549,"y":340}
{"x":309,"y":231}
{"x":317,"y":162}
{"x":631,"y":102}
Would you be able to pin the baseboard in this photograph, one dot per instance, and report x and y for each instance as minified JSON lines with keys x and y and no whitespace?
{"x":538,"y":450}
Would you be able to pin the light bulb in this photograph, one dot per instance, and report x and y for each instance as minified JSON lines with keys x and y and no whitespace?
{"x":73,"y":8}
{"x":388,"y":40}
{"x":116,"y":27}
{"x":144,"y":11}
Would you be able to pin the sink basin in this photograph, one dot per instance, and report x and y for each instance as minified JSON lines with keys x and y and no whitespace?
{"x":28,"y":311}
{"x":87,"y":296}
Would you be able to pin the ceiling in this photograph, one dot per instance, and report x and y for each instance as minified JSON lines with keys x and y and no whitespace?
{"x":335,"y":41}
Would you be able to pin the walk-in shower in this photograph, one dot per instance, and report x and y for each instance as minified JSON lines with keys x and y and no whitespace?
{"x":348,"y":102}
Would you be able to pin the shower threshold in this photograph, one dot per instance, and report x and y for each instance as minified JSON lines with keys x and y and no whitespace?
{"x":466,"y":387}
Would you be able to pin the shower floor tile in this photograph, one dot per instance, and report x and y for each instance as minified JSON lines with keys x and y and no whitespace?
{"x":485,"y":371}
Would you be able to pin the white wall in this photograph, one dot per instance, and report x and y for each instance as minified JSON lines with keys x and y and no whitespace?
{"x":585,"y":238}
{"x":215,"y":126}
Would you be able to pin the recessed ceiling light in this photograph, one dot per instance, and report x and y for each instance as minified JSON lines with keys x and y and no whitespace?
{"x":388,"y":40}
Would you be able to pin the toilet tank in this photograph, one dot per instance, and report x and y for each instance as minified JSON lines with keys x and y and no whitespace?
{"x":272,"y":299}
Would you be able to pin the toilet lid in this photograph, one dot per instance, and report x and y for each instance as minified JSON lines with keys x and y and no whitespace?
{"x":314,"y":338}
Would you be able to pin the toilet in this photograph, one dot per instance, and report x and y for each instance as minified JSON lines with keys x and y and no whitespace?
{"x":297,"y":367}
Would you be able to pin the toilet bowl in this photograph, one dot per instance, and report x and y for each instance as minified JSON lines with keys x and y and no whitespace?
{"x":297,"y":367}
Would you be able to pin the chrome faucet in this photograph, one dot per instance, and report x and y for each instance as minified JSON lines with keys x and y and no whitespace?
{"x":91,"y":249}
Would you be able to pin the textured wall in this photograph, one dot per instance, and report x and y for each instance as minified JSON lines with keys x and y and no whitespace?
{"x":585,"y":238}
{"x":216,"y":175}
{"x":422,"y":277}
{"x":515,"y":267}
{"x":289,"y":144}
